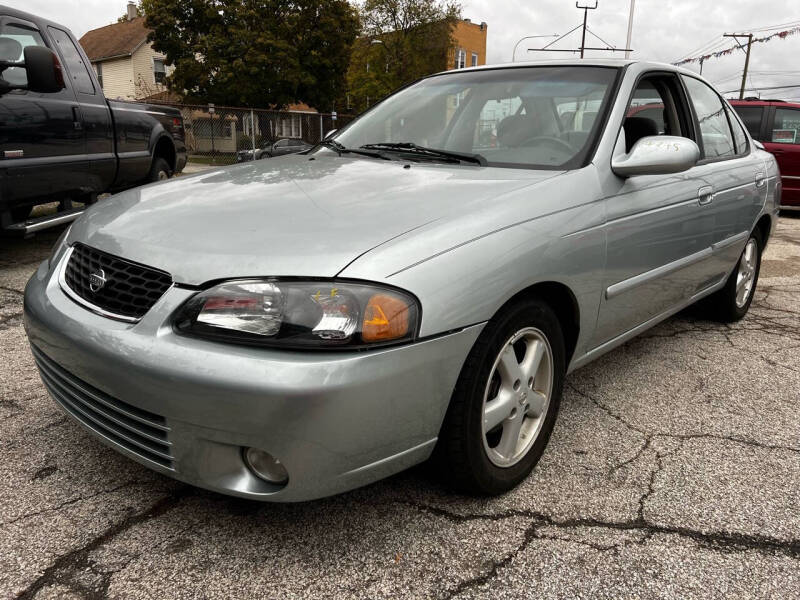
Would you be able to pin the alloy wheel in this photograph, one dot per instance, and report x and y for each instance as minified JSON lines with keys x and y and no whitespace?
{"x":517,"y":397}
{"x":745,"y":277}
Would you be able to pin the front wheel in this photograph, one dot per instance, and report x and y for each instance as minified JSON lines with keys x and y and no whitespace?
{"x":505,"y":402}
{"x":732,"y":302}
{"x":159,"y":171}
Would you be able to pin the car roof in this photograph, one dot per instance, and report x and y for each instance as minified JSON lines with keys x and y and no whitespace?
{"x":579,"y":62}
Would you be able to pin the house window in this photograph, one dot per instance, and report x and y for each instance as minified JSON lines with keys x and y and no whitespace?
{"x":461,"y":58}
{"x":474,"y":60}
{"x":290,"y":127}
{"x":159,"y":70}
{"x":98,"y":69}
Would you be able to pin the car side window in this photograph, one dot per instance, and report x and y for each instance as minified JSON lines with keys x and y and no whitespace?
{"x":787,"y":124}
{"x":14,"y":38}
{"x":739,"y":136}
{"x":715,"y":130}
{"x":75,"y":64}
{"x":657,"y":107}
{"x":648,"y":103}
{"x":752,"y":117}
{"x":281,"y":143}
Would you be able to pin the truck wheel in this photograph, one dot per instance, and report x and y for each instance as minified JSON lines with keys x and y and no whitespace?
{"x":159,"y":171}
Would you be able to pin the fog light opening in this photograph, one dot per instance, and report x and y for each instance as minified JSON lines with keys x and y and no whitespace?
{"x":265,"y":466}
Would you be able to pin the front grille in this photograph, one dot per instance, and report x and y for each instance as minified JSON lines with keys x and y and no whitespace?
{"x":138,"y":431}
{"x":129,"y":289}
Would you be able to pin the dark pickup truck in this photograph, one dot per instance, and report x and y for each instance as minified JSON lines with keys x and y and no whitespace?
{"x":60,"y":139}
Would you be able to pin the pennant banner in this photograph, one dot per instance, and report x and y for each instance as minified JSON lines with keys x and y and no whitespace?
{"x":700,"y":59}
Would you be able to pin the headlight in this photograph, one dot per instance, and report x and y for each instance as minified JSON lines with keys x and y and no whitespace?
{"x":59,"y":245}
{"x":301,"y":314}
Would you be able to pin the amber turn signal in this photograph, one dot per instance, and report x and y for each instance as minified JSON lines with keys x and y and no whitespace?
{"x":385,"y":318}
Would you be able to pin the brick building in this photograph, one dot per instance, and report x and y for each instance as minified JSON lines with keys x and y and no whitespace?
{"x":470,"y":45}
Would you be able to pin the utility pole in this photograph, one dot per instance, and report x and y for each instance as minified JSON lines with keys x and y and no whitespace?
{"x":630,"y":30}
{"x":749,"y":37}
{"x":586,"y":8}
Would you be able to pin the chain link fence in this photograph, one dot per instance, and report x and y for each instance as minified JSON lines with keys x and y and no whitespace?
{"x":215,"y":135}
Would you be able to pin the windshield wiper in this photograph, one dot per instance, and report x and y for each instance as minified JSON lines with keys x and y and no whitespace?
{"x":411,"y":148}
{"x":340,"y":149}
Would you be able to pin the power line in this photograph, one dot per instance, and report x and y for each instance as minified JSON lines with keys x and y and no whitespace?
{"x":702,"y":47}
{"x":764,"y":89}
{"x":774,"y":27}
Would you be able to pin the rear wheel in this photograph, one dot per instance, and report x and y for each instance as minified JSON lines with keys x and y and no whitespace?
{"x":159,"y":171}
{"x":505,"y":402}
{"x":732,"y":302}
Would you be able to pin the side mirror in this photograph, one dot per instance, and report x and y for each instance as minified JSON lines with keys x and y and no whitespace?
{"x":44,"y":70}
{"x":330,"y":134}
{"x":657,"y":155}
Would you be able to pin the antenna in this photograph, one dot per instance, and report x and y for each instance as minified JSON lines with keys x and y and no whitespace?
{"x":583,"y":47}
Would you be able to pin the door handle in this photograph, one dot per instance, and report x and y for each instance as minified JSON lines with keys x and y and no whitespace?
{"x":77,"y":119}
{"x":760,"y":179}
{"x":705,"y":194}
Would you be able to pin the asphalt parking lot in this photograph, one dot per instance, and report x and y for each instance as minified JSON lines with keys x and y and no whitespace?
{"x":673,"y":472}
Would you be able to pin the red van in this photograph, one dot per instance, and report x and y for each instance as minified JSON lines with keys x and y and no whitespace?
{"x":776,"y":124}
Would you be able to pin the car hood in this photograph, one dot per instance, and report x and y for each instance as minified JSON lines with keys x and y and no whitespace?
{"x":287,"y":217}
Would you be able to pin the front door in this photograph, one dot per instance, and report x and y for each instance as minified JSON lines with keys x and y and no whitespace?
{"x":659,"y":227}
{"x":42,"y":141}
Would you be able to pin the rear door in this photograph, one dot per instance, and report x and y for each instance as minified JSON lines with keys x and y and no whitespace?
{"x":734,"y":177}
{"x":784,"y":143}
{"x":42,"y":141}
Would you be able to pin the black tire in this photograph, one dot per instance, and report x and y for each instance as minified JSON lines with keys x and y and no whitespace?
{"x":159,"y":171}
{"x":21,"y":213}
{"x":722,"y":305}
{"x":461,"y":454}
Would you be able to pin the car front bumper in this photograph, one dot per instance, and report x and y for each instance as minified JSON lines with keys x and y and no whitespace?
{"x":336,"y":421}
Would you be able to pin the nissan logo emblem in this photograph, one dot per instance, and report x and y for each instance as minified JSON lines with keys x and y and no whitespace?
{"x":97,"y":279}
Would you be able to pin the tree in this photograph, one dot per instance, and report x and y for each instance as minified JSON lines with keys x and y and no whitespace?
{"x":255,"y":52}
{"x":402,"y":41}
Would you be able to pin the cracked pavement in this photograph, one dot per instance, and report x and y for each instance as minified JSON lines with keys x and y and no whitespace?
{"x":673,"y":472}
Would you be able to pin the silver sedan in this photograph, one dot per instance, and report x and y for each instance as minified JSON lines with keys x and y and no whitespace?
{"x":417,"y":286}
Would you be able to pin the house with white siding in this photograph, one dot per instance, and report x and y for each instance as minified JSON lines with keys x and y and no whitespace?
{"x":126,"y":65}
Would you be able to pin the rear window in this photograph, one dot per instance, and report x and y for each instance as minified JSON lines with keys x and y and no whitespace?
{"x":751,"y":117}
{"x":787,"y":124}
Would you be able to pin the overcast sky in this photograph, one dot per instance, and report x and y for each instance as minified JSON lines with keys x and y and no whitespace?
{"x":664,"y":30}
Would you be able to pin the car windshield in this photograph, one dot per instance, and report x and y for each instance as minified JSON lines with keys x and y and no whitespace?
{"x":534,"y":117}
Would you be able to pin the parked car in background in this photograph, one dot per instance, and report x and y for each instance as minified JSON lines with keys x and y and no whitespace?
{"x":776,"y":124}
{"x":60,"y":139}
{"x":279,"y":148}
{"x":290,"y":329}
